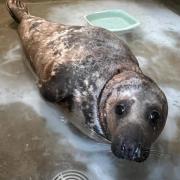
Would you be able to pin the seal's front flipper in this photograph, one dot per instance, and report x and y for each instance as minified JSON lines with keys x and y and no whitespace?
{"x":17,"y":9}
{"x":53,"y":90}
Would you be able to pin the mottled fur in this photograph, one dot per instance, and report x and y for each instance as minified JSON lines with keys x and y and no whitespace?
{"x":93,"y":70}
{"x":68,"y":59}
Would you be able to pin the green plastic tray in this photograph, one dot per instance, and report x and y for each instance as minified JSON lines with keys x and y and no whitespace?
{"x":113,"y":20}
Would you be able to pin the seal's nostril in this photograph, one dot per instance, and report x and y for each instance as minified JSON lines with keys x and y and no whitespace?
{"x":137,"y":152}
{"x":123,"y":147}
{"x":130,"y":150}
{"x":144,"y":155}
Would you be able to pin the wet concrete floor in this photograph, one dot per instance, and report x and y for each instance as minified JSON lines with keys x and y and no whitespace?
{"x":36,"y":140}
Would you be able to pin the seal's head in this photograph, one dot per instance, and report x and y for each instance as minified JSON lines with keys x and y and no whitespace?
{"x":133,"y":112}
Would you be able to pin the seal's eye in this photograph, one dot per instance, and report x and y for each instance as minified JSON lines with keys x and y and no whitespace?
{"x":154,"y":117}
{"x":121,"y":109}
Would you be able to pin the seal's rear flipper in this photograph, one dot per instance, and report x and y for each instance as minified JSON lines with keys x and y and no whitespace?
{"x":17,"y":9}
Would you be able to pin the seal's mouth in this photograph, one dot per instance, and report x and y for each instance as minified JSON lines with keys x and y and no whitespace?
{"x":131,"y":143}
{"x":130,"y":151}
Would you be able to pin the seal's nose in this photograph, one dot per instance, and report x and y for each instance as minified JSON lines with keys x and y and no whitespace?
{"x":129,"y":150}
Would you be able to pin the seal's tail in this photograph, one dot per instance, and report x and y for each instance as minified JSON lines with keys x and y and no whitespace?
{"x":17,"y":9}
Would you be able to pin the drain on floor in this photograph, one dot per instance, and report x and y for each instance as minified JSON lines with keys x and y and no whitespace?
{"x":70,"y":174}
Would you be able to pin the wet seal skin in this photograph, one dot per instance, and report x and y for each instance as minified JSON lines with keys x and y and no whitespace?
{"x":95,"y":72}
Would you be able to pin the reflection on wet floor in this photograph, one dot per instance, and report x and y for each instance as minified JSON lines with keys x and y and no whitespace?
{"x":28,"y":149}
{"x":36,"y":142}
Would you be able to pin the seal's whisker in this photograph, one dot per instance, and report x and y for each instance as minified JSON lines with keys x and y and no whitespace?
{"x":157,"y":151}
{"x":159,"y":154}
{"x":155,"y":155}
{"x":154,"y":152}
{"x":153,"y":158}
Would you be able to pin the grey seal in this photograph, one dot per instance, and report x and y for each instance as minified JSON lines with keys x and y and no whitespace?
{"x":96,"y":73}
